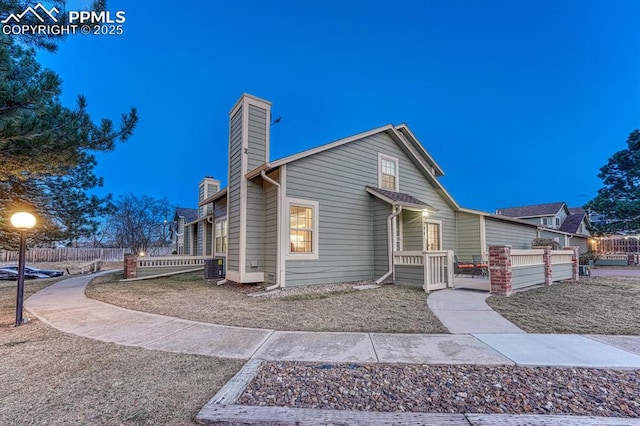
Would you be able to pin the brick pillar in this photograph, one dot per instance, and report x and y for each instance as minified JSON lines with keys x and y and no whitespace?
{"x":575,"y":262}
{"x":130,"y":266}
{"x":500,"y":266}
{"x":548,"y":270}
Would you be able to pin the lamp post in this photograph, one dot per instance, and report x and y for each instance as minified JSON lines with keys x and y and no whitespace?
{"x":23,"y":221}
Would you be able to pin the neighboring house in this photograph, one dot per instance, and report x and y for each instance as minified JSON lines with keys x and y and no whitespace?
{"x":568,"y":226}
{"x":337,"y":212}
{"x":199,"y":231}
{"x":181,"y":217}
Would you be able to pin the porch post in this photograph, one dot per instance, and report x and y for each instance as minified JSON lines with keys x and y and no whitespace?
{"x":500,"y":270}
{"x":427,"y":275}
{"x":575,"y":260}
{"x":130,"y":266}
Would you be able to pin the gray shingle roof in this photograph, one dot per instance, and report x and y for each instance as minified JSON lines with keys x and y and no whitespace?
{"x":531,"y":211}
{"x":189,"y":215}
{"x":402,"y":199}
{"x":572,"y":222}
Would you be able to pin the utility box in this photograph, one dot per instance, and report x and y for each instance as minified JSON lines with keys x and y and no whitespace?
{"x":214,"y":268}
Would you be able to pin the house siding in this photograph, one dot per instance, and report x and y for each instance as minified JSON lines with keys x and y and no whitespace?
{"x":380,"y":210}
{"x":505,"y":233}
{"x":469,"y":237}
{"x":257,"y":137}
{"x":412,"y":238}
{"x":209,"y":239}
{"x":336,"y":178}
{"x":254,"y":261}
{"x":200,"y":241}
{"x":270,"y":231}
{"x":233,"y":194}
{"x":581,"y":243}
{"x":409,"y":275}
{"x":561,"y":238}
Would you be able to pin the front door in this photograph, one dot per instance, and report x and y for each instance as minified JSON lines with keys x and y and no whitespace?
{"x":432,"y":233}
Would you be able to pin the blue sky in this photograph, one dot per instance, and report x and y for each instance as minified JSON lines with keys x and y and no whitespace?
{"x":520,"y":102}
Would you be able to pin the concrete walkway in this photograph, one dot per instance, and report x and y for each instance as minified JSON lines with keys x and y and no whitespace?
{"x":466,"y":312}
{"x":64,"y":306}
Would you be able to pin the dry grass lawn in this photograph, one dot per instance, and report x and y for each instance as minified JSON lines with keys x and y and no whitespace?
{"x":389,"y":309}
{"x":595,"y":305}
{"x":52,"y":378}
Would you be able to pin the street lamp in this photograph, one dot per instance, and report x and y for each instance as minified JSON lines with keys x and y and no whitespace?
{"x":23,"y":221}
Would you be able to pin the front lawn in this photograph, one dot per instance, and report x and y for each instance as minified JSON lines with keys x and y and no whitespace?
{"x":388,"y":309}
{"x":53,"y":378}
{"x":595,"y":305}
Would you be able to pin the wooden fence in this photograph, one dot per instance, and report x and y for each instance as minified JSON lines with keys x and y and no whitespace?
{"x":75,"y":254}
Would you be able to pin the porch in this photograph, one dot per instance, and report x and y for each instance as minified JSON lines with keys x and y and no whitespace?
{"x":509,"y":269}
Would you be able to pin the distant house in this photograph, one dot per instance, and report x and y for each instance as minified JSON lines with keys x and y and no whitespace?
{"x":181,"y":217}
{"x":568,"y":226}
{"x":339,"y":212}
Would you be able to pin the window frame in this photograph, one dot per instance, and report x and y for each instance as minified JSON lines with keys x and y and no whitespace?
{"x":315,"y":209}
{"x":224,"y":235}
{"x":394,"y":160}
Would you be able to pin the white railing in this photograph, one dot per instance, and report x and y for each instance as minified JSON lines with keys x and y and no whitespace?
{"x":171,"y":261}
{"x":561,"y":256}
{"x":437,"y":266}
{"x":613,"y":256}
{"x":521,"y":258}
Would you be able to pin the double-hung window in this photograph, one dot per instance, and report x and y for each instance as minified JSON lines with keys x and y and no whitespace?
{"x":388,"y":176}
{"x":303,"y":229}
{"x":221,"y":236}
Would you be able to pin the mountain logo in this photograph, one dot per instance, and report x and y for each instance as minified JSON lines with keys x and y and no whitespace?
{"x":15,"y":19}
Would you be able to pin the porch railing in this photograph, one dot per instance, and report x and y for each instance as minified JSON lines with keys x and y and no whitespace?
{"x":171,"y":261}
{"x":437,"y":266}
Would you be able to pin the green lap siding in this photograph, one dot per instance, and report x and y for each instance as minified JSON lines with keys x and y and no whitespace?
{"x":380,"y":210}
{"x":469,"y":236}
{"x":233,"y":195}
{"x":500,"y":233}
{"x":336,"y":179}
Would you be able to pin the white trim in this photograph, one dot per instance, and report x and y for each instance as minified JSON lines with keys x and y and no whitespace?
{"x":314,"y":232}
{"x":213,"y":249}
{"x":425,"y":222}
{"x":253,"y":277}
{"x":233,"y":276}
{"x":381,"y":157}
{"x":401,"y":128}
{"x":483,"y":238}
{"x":398,"y":221}
{"x":330,"y":145}
{"x":282,"y":221}
{"x":242,"y":237}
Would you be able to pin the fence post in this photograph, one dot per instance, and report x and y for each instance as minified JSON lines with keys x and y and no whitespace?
{"x":575,"y":262}
{"x":500,"y":267}
{"x":548,"y":268}
{"x":130,"y":266}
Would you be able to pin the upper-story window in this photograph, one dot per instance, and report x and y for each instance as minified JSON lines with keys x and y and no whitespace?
{"x":388,"y":176}
{"x":557,"y":222}
{"x":546,"y":221}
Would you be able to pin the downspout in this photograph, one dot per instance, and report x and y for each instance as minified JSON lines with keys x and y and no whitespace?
{"x":278,"y":208}
{"x":396,"y":212}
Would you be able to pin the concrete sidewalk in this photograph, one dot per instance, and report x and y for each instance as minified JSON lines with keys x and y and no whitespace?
{"x":64,"y":306}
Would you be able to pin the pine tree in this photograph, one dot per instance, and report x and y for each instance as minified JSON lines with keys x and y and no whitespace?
{"x":47,"y":150}
{"x":619,"y":200}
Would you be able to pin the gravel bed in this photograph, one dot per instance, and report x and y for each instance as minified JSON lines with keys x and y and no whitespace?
{"x":447,"y":389}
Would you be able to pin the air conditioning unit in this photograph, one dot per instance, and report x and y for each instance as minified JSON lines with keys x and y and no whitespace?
{"x":214,"y":268}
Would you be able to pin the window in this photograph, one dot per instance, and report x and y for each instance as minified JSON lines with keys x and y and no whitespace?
{"x":546,"y":221}
{"x":303,"y":229}
{"x":557,"y":222}
{"x":433,"y":237}
{"x":388,"y":173}
{"x":221,"y":236}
